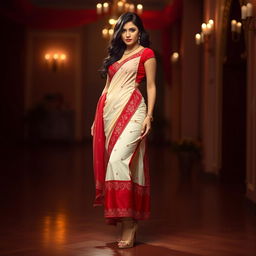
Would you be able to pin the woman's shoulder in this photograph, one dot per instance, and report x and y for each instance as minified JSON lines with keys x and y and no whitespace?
{"x":148,"y":53}
{"x":148,"y":50}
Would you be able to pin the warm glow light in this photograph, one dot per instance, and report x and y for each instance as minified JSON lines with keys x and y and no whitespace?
{"x":54,"y":229}
{"x":249,"y":10}
{"x":47,"y":56}
{"x":63,"y":56}
{"x":238,"y":27}
{"x":204,"y":28}
{"x":198,"y":38}
{"x":55,"y":60}
{"x":56,"y":56}
{"x":131,"y":8}
{"x":211,"y":22}
{"x":111,"y":31}
{"x":244,"y":12}
{"x":105,"y":7}
{"x":120,"y":4}
{"x":126,"y":7}
{"x":209,"y":28}
{"x":112,"y":21}
{"x":139,"y":8}
{"x":175,"y":57}
{"x":60,"y":229}
{"x":99,"y":8}
{"x":105,"y":32}
{"x":233,"y":25}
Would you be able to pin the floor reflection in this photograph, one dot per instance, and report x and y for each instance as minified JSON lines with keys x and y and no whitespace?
{"x":54,"y":229}
{"x":142,"y":249}
{"x":46,"y":209}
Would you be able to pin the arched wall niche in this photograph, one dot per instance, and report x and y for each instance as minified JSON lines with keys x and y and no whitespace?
{"x":212,"y":97}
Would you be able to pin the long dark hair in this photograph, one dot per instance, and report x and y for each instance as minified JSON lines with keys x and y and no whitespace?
{"x":117,"y":46}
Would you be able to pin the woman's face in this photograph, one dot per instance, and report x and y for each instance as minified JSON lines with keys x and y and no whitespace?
{"x":130,"y":33}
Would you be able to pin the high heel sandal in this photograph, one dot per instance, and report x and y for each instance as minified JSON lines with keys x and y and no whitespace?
{"x":123,"y":244}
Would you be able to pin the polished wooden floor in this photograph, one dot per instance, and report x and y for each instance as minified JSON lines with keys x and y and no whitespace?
{"x":46,"y":209}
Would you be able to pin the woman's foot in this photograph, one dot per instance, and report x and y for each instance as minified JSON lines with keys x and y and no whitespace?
{"x":128,"y":234}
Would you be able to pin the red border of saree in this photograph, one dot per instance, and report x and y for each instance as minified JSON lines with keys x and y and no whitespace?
{"x":124,"y":118}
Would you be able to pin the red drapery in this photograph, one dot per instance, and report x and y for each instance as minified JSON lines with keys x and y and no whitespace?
{"x":22,"y":11}
{"x":164,"y":18}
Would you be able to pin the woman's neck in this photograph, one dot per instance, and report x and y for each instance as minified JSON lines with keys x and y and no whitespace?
{"x":131,"y":48}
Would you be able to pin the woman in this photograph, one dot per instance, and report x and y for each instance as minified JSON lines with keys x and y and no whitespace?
{"x":122,"y":122}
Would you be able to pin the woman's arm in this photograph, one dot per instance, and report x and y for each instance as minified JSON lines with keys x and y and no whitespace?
{"x":150,"y":69}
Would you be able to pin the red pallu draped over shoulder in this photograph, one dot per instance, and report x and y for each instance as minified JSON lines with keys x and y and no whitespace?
{"x":99,"y":151}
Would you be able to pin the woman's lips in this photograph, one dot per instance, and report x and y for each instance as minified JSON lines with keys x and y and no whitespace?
{"x":128,"y":40}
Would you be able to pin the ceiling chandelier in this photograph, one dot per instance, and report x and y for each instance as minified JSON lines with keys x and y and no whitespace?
{"x":113,"y":11}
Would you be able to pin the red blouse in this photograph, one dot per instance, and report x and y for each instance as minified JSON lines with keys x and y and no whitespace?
{"x":145,"y":54}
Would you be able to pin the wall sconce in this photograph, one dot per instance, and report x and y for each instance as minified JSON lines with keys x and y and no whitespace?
{"x":175,"y":57}
{"x":55,"y":60}
{"x":236,"y":29}
{"x":206,"y":32}
{"x":207,"y":29}
{"x":206,"y":35}
{"x":107,"y":32}
{"x":249,"y":22}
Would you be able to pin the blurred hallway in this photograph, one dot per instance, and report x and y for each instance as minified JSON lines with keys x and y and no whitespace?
{"x":46,"y":208}
{"x":50,"y":84}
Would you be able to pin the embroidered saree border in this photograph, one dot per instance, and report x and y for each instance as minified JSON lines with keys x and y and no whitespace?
{"x":124,"y":118}
{"x":126,"y":185}
{"x":134,"y":197}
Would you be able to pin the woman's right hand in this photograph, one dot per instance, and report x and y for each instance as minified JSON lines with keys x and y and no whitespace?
{"x":92,"y":129}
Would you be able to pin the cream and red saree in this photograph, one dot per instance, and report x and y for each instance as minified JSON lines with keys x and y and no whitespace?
{"x":120,"y":162}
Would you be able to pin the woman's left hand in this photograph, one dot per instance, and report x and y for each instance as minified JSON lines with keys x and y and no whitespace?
{"x":146,"y":126}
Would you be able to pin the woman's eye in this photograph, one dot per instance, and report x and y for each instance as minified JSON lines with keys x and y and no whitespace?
{"x":130,"y":30}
